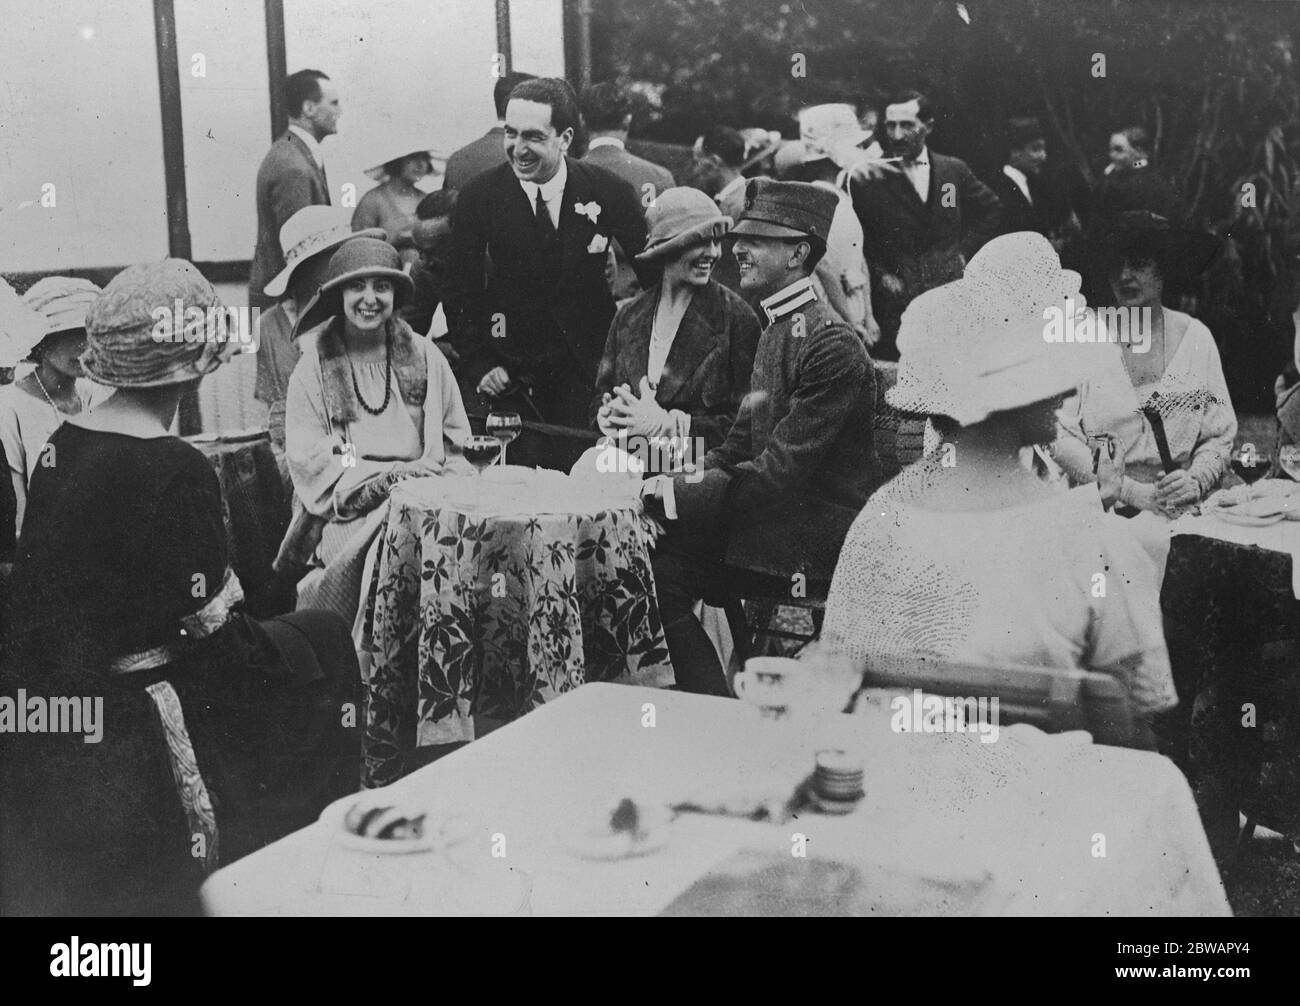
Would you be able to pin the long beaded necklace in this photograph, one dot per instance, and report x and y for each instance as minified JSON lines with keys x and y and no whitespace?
{"x":57,"y":411}
{"x":388,"y":379}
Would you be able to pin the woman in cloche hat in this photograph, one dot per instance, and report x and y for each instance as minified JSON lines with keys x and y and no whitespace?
{"x":34,"y":406}
{"x":369,"y":404}
{"x":218,"y":733}
{"x":967,"y":556}
{"x":678,"y":357}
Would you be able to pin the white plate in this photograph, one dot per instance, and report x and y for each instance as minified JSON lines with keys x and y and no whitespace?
{"x":437,"y":834}
{"x":605,"y":845}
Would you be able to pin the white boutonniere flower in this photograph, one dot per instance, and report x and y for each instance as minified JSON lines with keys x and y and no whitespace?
{"x":599,"y":243}
{"x":590,"y":210}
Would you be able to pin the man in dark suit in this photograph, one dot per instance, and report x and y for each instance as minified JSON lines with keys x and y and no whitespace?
{"x":489,"y":150}
{"x":292,"y":174}
{"x":1016,"y":184}
{"x":922,"y":217}
{"x":607,"y":114}
{"x":1031,"y":199}
{"x":530,"y":327}
{"x":778,"y":497}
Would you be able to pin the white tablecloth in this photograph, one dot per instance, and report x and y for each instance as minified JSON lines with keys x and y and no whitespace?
{"x":1063,"y":827}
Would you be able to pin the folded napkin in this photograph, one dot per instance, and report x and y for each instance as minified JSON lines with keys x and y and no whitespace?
{"x":1284,"y":536}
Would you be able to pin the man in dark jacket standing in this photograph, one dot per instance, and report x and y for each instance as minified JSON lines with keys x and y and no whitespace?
{"x":531,"y":327}
{"x":778,"y":496}
{"x":607,"y":114}
{"x":922,"y":218}
{"x":292,"y":174}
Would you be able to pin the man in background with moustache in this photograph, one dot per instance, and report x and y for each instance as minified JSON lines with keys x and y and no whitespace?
{"x":777,"y":497}
{"x":922,"y":217}
{"x":528,"y":307}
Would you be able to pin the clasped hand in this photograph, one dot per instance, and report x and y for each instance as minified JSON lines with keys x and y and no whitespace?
{"x":636,"y":415}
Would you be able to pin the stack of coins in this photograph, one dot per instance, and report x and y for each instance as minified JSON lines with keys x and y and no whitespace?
{"x":837,"y":781}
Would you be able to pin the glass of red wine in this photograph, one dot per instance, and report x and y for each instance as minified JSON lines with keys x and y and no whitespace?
{"x":505,"y":426}
{"x":1249,"y":464}
{"x":480,"y":452}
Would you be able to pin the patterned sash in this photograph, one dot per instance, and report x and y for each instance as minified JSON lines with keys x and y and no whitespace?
{"x":190,"y":787}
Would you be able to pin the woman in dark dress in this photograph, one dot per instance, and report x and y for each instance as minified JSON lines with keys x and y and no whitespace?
{"x":678,"y":358}
{"x":217,"y":733}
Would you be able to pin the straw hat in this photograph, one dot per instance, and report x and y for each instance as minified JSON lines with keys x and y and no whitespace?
{"x":310,"y":231}
{"x":21,"y":328}
{"x":760,"y":144}
{"x":356,"y":258}
{"x":400,"y":151}
{"x":977,"y":345}
{"x":679,"y":218}
{"x":63,"y":301}
{"x":830,"y":131}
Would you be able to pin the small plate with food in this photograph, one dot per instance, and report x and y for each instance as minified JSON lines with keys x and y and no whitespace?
{"x":626,"y":830}
{"x":377,"y":822}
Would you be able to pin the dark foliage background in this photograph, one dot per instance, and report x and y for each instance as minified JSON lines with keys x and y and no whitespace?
{"x":1215,"y":83}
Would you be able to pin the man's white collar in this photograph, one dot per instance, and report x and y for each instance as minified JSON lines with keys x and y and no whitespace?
{"x":606,"y":141}
{"x":313,"y":146}
{"x":787,"y":301}
{"x":1019,"y":177}
{"x":552,"y":189}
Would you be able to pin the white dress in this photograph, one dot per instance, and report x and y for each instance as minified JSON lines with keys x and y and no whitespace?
{"x":1015,"y":586}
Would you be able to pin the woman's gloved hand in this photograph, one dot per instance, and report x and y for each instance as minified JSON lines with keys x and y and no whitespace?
{"x":640,"y":415}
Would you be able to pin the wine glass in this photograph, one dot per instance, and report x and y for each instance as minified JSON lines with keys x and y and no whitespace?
{"x":480,"y":452}
{"x":505,"y":426}
{"x":1249,"y":464}
{"x":1289,"y":458}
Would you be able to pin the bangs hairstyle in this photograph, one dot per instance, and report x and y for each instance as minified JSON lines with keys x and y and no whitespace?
{"x":1138,"y":246}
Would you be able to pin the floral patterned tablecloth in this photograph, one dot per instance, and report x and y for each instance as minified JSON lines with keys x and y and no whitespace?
{"x":487,"y":616}
{"x":255,"y":506}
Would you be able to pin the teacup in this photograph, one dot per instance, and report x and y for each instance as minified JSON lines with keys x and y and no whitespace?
{"x":773,"y":684}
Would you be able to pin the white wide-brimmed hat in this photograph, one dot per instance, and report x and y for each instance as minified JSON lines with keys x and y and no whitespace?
{"x":979,"y":345}
{"x":310,"y":231}
{"x":21,"y":327}
{"x":402,"y":149}
{"x":63,"y":301}
{"x":830,"y":131}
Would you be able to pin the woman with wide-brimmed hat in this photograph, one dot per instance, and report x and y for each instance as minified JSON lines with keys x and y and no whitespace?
{"x":370,"y":404}
{"x":218,"y":733}
{"x":308,"y":238}
{"x":1169,"y":362}
{"x":35,"y":405}
{"x":967,"y":555}
{"x":678,"y":357}
{"x":391,"y":204}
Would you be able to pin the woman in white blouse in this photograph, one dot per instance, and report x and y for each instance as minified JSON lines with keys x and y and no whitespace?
{"x":1175,"y":364}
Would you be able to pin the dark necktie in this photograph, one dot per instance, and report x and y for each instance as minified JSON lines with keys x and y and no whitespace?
{"x":543,"y":217}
